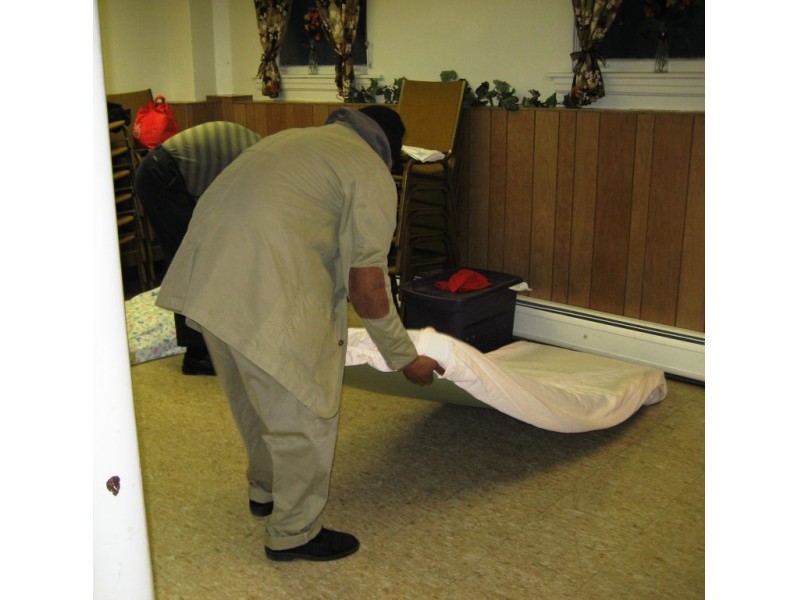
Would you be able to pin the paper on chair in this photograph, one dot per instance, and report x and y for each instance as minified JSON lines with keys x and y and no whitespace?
{"x":422,"y":154}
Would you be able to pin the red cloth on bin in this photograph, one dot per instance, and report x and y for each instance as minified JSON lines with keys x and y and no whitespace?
{"x":464,"y":280}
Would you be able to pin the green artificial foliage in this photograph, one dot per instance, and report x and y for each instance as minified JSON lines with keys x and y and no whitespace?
{"x":504,"y":95}
{"x":370,"y":95}
{"x":482,"y":95}
{"x":501,"y":94}
{"x":534,"y":102}
{"x":391,"y":94}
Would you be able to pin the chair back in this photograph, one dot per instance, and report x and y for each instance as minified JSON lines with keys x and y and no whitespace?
{"x":430,"y":111}
{"x":132,"y":101}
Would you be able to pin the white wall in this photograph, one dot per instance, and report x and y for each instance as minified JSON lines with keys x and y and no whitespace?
{"x":517,"y":41}
{"x":134,"y":36}
{"x":68,"y":418}
{"x":526,"y":43}
{"x":121,"y":558}
{"x":203,"y":47}
{"x":165,"y":46}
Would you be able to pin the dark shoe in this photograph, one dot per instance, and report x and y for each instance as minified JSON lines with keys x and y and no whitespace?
{"x":197,"y":366}
{"x":328,"y":545}
{"x":260,"y":509}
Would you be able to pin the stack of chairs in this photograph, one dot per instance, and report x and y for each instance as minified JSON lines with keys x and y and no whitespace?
{"x":426,"y":237}
{"x":132,"y":229}
{"x":138,"y":243}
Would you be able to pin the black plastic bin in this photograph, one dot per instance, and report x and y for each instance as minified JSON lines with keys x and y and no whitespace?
{"x":483,"y":318}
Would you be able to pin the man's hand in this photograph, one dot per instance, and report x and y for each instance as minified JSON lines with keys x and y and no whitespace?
{"x":420,"y":370}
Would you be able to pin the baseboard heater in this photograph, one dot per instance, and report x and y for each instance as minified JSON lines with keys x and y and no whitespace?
{"x":677,"y":352}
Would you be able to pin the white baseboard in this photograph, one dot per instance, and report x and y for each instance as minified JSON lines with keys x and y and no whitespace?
{"x":675,"y":351}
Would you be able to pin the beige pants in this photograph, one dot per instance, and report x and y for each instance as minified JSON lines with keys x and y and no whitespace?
{"x":289,"y":448}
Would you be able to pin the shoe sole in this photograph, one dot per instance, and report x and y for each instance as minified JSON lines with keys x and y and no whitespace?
{"x":197,"y":372}
{"x":285,"y":555}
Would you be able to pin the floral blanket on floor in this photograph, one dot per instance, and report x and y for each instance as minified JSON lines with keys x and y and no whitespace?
{"x":151,"y":329}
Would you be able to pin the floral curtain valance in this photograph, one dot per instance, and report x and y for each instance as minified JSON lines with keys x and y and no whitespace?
{"x":593,"y":18}
{"x":340,"y":22}
{"x":272,"y":15}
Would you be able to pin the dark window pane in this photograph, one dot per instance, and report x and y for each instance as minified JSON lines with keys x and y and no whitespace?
{"x":295,"y":44}
{"x":639,"y":23}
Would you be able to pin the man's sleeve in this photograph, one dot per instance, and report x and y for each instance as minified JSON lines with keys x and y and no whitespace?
{"x":368,"y":222}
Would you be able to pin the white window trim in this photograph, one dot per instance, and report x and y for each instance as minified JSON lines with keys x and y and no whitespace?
{"x":632,"y":84}
{"x":297,"y":85}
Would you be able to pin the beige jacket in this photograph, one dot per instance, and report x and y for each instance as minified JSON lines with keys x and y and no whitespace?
{"x":264,"y":265}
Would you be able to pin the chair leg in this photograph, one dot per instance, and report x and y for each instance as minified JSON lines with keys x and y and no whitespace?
{"x":395,"y":289}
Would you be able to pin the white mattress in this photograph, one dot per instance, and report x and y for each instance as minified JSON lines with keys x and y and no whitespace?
{"x":551,"y":388}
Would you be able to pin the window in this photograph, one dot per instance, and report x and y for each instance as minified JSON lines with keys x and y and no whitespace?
{"x":295,"y":48}
{"x":639,"y":23}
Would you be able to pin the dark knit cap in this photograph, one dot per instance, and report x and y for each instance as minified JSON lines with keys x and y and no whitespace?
{"x":391,"y":124}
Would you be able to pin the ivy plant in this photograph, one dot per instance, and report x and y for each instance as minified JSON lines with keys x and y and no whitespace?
{"x":500,"y":94}
{"x":504,"y":95}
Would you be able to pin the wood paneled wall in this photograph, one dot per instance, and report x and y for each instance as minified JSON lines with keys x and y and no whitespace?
{"x":264,"y":118}
{"x":595,"y":209}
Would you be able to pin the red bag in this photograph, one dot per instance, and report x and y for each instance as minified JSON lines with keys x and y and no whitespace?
{"x":154,"y":124}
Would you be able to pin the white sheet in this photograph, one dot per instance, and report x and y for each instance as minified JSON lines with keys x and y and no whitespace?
{"x":551,"y":388}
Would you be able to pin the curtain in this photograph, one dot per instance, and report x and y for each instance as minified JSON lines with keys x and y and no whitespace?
{"x":593,"y":18}
{"x":272,"y":15}
{"x":340,"y":21}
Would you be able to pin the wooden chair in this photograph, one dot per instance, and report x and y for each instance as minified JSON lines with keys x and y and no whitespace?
{"x":131,"y":101}
{"x":426,"y":237}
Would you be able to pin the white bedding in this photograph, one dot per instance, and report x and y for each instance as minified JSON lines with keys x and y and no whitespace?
{"x":551,"y":388}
